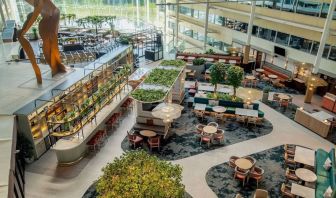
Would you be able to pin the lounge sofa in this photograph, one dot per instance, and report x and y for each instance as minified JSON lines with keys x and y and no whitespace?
{"x":229,"y":105}
{"x":282,"y":73}
{"x":325,"y":178}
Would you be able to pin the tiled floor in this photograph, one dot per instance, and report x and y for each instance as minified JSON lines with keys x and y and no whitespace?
{"x":45,"y":179}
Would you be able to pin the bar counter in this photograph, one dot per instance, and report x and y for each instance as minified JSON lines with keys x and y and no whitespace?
{"x":72,"y":149}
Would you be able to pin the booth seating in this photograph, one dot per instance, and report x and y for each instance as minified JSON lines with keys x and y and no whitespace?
{"x":325,"y":178}
{"x":282,"y":74}
{"x":229,"y":105}
{"x":329,"y":102}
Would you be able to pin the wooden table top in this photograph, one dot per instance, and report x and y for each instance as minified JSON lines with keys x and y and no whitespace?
{"x":273,"y":76}
{"x":148,"y":133}
{"x":284,"y":96}
{"x":219,"y":109}
{"x":243,"y":163}
{"x":306,"y":175}
{"x":260,"y":70}
{"x":210,"y":129}
{"x":250,"y":77}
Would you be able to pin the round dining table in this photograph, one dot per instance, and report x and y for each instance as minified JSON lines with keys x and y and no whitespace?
{"x":306,"y":175}
{"x":243,"y":163}
{"x":148,"y":133}
{"x":260,"y":70}
{"x":283,"y":96}
{"x":273,"y":76}
{"x":210,"y":129}
{"x":250,"y":77}
{"x":219,"y":109}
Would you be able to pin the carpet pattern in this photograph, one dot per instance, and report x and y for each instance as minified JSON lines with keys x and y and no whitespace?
{"x":290,"y":113}
{"x":220,"y":178}
{"x":185,"y":142}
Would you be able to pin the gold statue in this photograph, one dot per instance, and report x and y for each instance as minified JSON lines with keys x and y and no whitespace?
{"x":48,"y":29}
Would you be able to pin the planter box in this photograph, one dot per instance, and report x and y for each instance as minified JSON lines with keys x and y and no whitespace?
{"x":198,"y":68}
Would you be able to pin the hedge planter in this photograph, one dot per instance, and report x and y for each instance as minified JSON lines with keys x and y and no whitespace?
{"x":198,"y":68}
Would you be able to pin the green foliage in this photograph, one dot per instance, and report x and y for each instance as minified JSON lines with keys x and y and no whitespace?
{"x":235,"y":76}
{"x":163,"y":77}
{"x":198,"y":61}
{"x":267,"y":89}
{"x":148,"y":95}
{"x":210,"y":51}
{"x":176,"y":63}
{"x":223,"y":96}
{"x":34,"y":29}
{"x":138,"y":174}
{"x":218,"y":73}
{"x":125,"y":40}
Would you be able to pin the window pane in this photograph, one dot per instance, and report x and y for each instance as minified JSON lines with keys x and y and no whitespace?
{"x":300,"y":43}
{"x":315,"y":47}
{"x":332,"y":55}
{"x":282,"y":38}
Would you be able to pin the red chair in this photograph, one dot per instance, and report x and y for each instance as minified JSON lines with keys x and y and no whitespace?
{"x":154,"y":142}
{"x":134,"y":140}
{"x":205,"y":138}
{"x":241,"y":175}
{"x":257,"y":174}
{"x":232,"y":161}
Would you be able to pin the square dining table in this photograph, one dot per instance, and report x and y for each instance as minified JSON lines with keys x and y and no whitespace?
{"x":304,"y":156}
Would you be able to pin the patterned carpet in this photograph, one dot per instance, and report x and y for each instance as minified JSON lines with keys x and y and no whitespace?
{"x":184,"y":141}
{"x":290,"y":113}
{"x":220,"y":177}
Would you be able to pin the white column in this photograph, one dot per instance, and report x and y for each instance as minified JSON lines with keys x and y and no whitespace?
{"x":137,"y":12}
{"x":3,"y":18}
{"x":147,"y":11}
{"x":325,"y":35}
{"x":177,"y":21}
{"x":206,"y":24}
{"x":250,"y":24}
{"x":165,"y":21}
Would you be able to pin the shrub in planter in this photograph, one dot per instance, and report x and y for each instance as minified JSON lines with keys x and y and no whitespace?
{"x":217,"y":73}
{"x":25,"y":147}
{"x":235,"y":75}
{"x":125,"y":40}
{"x":198,"y":61}
{"x":210,"y":51}
{"x":266,"y":91}
{"x":138,"y":174}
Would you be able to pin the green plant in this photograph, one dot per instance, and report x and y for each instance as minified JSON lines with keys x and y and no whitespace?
{"x":235,"y":76}
{"x":25,"y":146}
{"x":138,"y":174}
{"x":217,"y":74}
{"x":125,"y":40}
{"x":175,"y":63}
{"x":148,"y":95}
{"x":163,"y":77}
{"x":267,"y":89}
{"x":198,"y":61}
{"x":210,"y":51}
{"x":34,"y":29}
{"x":223,"y":96}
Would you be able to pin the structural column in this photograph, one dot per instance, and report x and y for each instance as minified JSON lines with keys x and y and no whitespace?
{"x":206,"y":24}
{"x":177,"y":22}
{"x":137,"y":12}
{"x":324,"y":37}
{"x":249,"y":34}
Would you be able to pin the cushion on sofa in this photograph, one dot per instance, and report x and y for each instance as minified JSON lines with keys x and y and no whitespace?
{"x":320,"y":157}
{"x":201,"y":100}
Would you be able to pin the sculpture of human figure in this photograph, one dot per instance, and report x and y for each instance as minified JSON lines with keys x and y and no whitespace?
{"x":48,"y":29}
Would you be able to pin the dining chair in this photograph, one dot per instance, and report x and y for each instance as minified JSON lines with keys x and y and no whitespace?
{"x":154,"y":142}
{"x":214,"y":124}
{"x":199,"y":128}
{"x":290,"y":175}
{"x":284,"y":103}
{"x":289,"y":160}
{"x":241,"y":175}
{"x":261,"y":193}
{"x":252,"y":160}
{"x":257,"y":174}
{"x":134,"y":139}
{"x":219,"y":117}
{"x":252,"y":120}
{"x":232,"y":161}
{"x":241,"y":119}
{"x":286,"y":191}
{"x":290,"y":149}
{"x":206,"y":139}
{"x":219,"y":136}
{"x":199,"y":114}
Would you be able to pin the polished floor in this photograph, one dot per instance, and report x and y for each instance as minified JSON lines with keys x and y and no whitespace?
{"x":45,"y":179}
